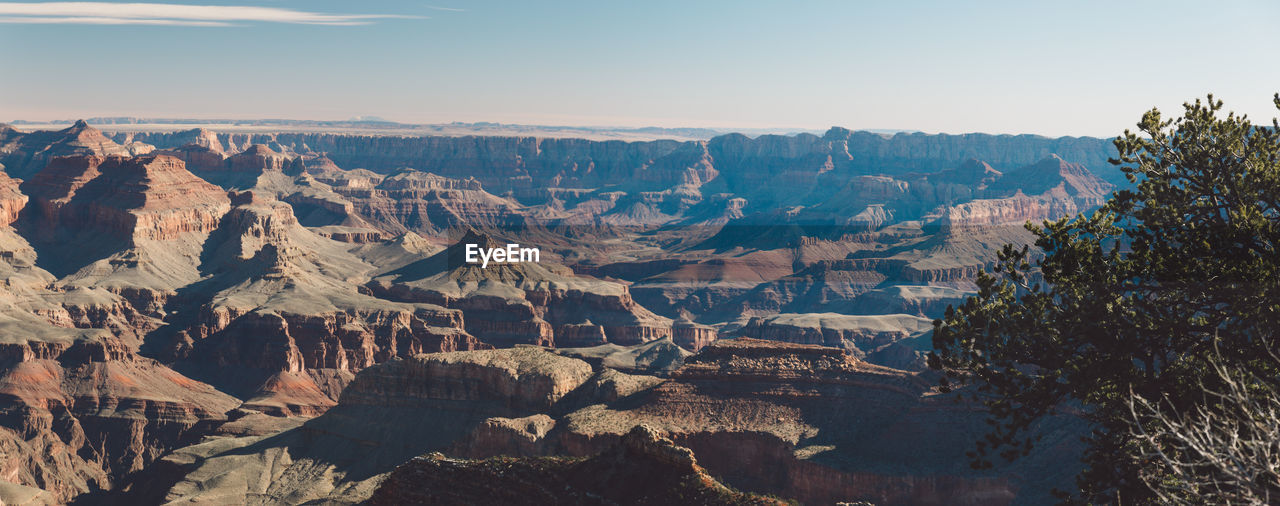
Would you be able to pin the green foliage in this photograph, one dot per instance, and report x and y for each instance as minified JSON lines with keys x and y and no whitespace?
{"x":1132,"y":298}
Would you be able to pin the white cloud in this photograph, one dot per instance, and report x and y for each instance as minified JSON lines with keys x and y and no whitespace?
{"x":107,"y":13}
{"x":71,"y":20}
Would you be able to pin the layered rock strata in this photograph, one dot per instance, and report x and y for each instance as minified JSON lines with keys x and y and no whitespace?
{"x":527,"y":303}
{"x":644,"y":468}
{"x":803,"y":422}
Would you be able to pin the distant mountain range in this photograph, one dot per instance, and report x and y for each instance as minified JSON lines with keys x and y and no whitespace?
{"x":374,"y":124}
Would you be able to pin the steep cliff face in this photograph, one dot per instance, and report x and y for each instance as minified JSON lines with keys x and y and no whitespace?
{"x":198,"y":158}
{"x":79,"y":409}
{"x":25,"y":153}
{"x":812,"y":423}
{"x":802,"y":422}
{"x":36,"y":310}
{"x":511,"y":382}
{"x":794,"y":163}
{"x":858,"y":334}
{"x":198,"y":137}
{"x":1049,"y":189}
{"x":282,"y":299}
{"x":427,"y":204}
{"x":692,"y":336}
{"x":85,"y":411}
{"x":11,"y":200}
{"x":922,"y":153}
{"x":500,"y":163}
{"x":506,"y":163}
{"x":257,"y":158}
{"x":389,"y":414}
{"x":131,"y":226}
{"x":133,"y":199}
{"x":1015,"y":210}
{"x":643,"y":468}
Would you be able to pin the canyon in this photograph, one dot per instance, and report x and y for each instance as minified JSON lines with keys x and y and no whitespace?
{"x":201,"y":316}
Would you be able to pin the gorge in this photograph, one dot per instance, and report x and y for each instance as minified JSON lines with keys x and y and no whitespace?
{"x":289,"y":317}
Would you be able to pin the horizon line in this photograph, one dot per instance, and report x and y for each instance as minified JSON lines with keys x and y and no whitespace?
{"x":718,"y":131}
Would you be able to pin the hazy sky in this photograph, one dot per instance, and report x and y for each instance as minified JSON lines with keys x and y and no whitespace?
{"x":1070,"y":68}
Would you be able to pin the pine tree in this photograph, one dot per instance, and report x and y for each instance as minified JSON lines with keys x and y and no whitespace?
{"x":1132,"y":299}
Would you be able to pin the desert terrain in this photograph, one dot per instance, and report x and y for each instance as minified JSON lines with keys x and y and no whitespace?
{"x":265,"y":315}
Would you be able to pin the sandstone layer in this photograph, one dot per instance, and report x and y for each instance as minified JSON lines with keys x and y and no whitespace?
{"x":802,"y":422}
{"x":644,"y":468}
{"x":285,"y":318}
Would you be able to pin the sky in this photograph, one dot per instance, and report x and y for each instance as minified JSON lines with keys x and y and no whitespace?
{"x":1059,"y":68}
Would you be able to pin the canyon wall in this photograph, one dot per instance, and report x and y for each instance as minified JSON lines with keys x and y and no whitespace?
{"x":503,"y":163}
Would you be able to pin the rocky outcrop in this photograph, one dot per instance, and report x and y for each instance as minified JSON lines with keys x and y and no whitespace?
{"x":524,"y":303}
{"x":346,"y":340}
{"x":800,"y":422}
{"x":657,"y":358}
{"x":198,"y":158}
{"x":389,"y":414}
{"x":23,"y":154}
{"x":1012,"y":211}
{"x":130,"y":226}
{"x":508,"y":383}
{"x":692,"y":336}
{"x":11,"y":200}
{"x":351,"y":235}
{"x":133,"y":199}
{"x":515,"y":437}
{"x":257,"y":159}
{"x":198,"y":137}
{"x":917,"y":300}
{"x":643,"y":468}
{"x":1057,"y":177}
{"x":205,"y":157}
{"x":424,"y":203}
{"x":283,"y":299}
{"x":76,"y":416}
{"x":814,"y":424}
{"x":858,"y":334}
{"x":1047,"y":190}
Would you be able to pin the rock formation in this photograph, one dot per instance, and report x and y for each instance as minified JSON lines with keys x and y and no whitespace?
{"x":132,"y":226}
{"x":24,"y":154}
{"x":814,"y":424}
{"x":514,"y":161}
{"x":283,"y":317}
{"x":66,"y":406}
{"x":389,"y":414}
{"x":283,"y":300}
{"x":802,"y":422}
{"x":644,"y":468}
{"x":525,"y":303}
{"x":858,"y":334}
